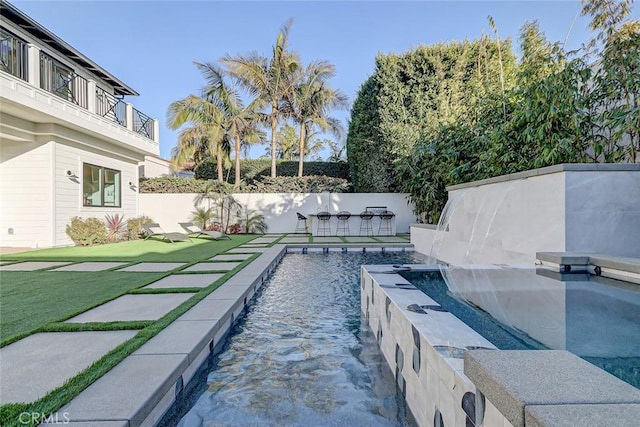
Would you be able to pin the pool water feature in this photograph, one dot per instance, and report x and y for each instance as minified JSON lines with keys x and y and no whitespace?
{"x":301,"y":355}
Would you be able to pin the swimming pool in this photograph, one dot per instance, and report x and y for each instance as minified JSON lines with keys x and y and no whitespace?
{"x":301,"y":355}
{"x":594,"y":318}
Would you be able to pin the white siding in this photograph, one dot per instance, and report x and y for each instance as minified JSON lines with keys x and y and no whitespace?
{"x":69,"y":190}
{"x":25,"y":194}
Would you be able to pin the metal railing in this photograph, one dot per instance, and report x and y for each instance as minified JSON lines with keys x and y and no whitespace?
{"x":142,"y":124}
{"x":110,"y":107}
{"x":62,"y":81}
{"x":13,"y":55}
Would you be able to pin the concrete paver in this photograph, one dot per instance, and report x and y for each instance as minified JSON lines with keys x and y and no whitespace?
{"x":129,"y":391}
{"x":133,"y":307}
{"x":212,"y":266}
{"x":32,"y":265}
{"x":153,"y":266}
{"x":327,"y":240}
{"x":392,"y":239}
{"x":360,"y":239}
{"x":90,"y":266}
{"x":181,"y":337}
{"x":39,"y":363}
{"x":264,"y":240}
{"x":304,"y":239}
{"x":231,"y":257}
{"x":240,"y":250}
{"x":185,"y":281}
{"x":210,"y":309}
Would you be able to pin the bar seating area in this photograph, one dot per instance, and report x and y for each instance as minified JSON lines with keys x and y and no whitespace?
{"x":373,"y":221}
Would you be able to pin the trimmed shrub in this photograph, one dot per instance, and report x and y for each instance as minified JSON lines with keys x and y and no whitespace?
{"x":86,"y":232}
{"x":252,"y":170}
{"x":134,"y":226}
{"x":306,"y":184}
{"x":172,"y":185}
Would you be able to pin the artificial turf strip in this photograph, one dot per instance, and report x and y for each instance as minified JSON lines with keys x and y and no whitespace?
{"x":59,"y":397}
{"x":32,"y":299}
{"x":136,"y":251}
{"x":96,"y":326}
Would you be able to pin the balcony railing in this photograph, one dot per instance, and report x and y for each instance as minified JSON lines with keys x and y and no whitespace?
{"x":13,"y":55}
{"x":63,"y":81}
{"x":17,"y":58}
{"x":142,"y":124}
{"x":110,"y":107}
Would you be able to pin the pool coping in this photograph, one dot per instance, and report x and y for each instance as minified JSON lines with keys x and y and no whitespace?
{"x":516,"y":388}
{"x":146,"y":400}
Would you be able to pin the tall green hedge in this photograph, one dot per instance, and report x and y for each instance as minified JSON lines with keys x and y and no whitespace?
{"x":252,"y":170}
{"x":412,"y":95}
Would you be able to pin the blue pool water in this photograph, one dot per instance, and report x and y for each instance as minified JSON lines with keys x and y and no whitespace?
{"x":595,"y":318}
{"x":301,"y":356}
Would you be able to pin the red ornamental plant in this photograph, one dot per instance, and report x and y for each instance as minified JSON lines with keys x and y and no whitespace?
{"x":116,"y":227}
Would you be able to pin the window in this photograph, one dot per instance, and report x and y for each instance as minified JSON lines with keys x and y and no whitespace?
{"x":100,"y":186}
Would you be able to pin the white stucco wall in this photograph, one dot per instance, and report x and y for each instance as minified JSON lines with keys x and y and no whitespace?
{"x":154,"y":167}
{"x":504,"y":222}
{"x":280,"y":209}
{"x":578,"y":208}
{"x":603,"y":212}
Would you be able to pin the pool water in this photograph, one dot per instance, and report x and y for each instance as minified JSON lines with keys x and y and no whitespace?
{"x":301,"y":356}
{"x":594,"y":318}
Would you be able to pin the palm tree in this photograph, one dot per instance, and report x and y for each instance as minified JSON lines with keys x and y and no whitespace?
{"x":311,"y":101}
{"x":204,"y":138}
{"x":270,"y":79}
{"x":287,"y":141}
{"x":239,"y":122}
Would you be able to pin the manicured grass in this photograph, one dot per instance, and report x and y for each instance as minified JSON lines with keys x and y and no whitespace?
{"x":29,"y":300}
{"x":32,"y":299}
{"x":151,"y":250}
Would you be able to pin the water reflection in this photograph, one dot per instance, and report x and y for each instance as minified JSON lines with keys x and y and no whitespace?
{"x":301,"y":356}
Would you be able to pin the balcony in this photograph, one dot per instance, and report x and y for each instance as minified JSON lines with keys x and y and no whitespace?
{"x":17,"y":57}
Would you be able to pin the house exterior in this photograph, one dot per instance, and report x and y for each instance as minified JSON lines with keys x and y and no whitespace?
{"x":69,"y":143}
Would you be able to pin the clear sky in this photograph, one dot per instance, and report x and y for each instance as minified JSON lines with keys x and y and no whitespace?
{"x":151,"y":45}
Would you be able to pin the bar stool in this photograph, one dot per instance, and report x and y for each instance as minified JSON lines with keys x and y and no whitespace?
{"x":301,"y":225}
{"x":343,"y":223}
{"x":385,"y":223}
{"x":324,"y":226}
{"x":365,"y":223}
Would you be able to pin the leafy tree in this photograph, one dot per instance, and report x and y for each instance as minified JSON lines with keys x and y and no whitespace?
{"x":616,"y":80}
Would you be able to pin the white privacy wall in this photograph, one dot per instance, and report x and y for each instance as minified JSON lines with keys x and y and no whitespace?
{"x":603,"y":212}
{"x":279,"y":209}
{"x":572,"y":207}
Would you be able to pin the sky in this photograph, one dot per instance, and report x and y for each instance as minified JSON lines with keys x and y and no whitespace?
{"x":151,"y":45}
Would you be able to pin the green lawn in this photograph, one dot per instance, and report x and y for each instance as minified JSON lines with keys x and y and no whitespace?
{"x":136,"y":251}
{"x":31,"y":300}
